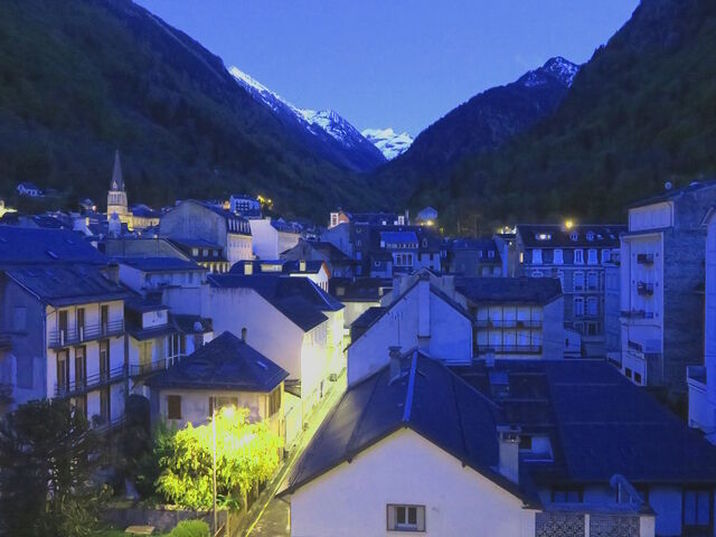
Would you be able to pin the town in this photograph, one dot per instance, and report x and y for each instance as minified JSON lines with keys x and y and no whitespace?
{"x":375,"y":373}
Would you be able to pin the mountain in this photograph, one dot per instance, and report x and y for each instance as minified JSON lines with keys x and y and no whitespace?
{"x":79,"y":78}
{"x":350,"y":148}
{"x":388,"y":142}
{"x":641,"y":111}
{"x":481,"y":124}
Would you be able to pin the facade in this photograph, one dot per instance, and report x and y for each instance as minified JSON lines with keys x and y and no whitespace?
{"x":612,"y":303}
{"x":577,"y":256}
{"x":473,"y":257}
{"x":662,"y":275}
{"x":272,"y":237}
{"x":212,"y":236}
{"x":147,"y":275}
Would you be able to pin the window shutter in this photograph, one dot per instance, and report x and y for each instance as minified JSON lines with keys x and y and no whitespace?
{"x":421,"y":518}
{"x":391,"y":517}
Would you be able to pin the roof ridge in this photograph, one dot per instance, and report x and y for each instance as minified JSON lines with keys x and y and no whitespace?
{"x":409,"y":393}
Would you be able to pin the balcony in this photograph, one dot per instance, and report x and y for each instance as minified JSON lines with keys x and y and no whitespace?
{"x":645,"y":289}
{"x":645,"y":259}
{"x":141,"y":370}
{"x":72,"y":336}
{"x":92,"y":382}
{"x":508,"y":349}
{"x":637,"y":314}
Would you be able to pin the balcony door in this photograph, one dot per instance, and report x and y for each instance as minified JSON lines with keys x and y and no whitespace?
{"x":80,"y":367}
{"x":81,"y":324}
{"x":63,"y":371}
{"x":62,"y":326}
{"x":104,"y":319}
{"x":104,"y":360}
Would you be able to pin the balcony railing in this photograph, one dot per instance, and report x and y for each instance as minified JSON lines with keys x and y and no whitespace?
{"x":508,"y":323}
{"x":509,"y":349}
{"x":645,"y":289}
{"x":637,"y":314}
{"x":72,"y":336}
{"x":92,"y":382}
{"x":645,"y":259}
{"x":140,"y":370}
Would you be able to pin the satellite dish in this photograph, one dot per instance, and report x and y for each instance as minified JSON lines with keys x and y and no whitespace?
{"x":668,"y":185}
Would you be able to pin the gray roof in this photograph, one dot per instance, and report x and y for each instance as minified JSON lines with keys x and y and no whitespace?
{"x":47,"y":246}
{"x":667,"y":195}
{"x":63,"y":284}
{"x":428,"y":399}
{"x":159,"y":264}
{"x":299,"y":299}
{"x":225,"y":363}
{"x":509,"y":290}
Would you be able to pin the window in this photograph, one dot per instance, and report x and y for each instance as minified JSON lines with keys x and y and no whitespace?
{"x":80,"y":367}
{"x":592,"y":281}
{"x":579,"y":257}
{"x":62,"y":325}
{"x":590,"y":236}
{"x":536,"y":256}
{"x":274,"y":401}
{"x":592,"y":306}
{"x":606,"y":256}
{"x":558,"y":256}
{"x":578,"y":281}
{"x":574,"y":236}
{"x":578,"y":306}
{"x":81,"y":323}
{"x":627,"y":372}
{"x":63,"y":370}
{"x":592,"y":256}
{"x":637,"y":378}
{"x":697,"y":508}
{"x":567,"y":495}
{"x":104,"y":318}
{"x":104,"y":360}
{"x":490,"y":254}
{"x":174,"y":407}
{"x":406,"y":517}
{"x":105,"y":411}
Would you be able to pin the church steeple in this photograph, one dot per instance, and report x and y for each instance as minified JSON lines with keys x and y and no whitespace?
{"x":117,"y":183}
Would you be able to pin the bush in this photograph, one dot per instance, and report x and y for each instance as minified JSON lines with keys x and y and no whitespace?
{"x":190,"y":528}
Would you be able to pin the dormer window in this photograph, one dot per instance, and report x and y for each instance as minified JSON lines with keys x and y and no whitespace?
{"x":543,"y":236}
{"x":590,"y":236}
{"x":574,"y":236}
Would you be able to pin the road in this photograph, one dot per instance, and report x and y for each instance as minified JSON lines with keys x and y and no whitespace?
{"x":270,"y":514}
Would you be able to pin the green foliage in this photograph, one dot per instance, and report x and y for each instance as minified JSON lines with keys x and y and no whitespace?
{"x":190,"y":528}
{"x":246,"y":454}
{"x":46,"y":455}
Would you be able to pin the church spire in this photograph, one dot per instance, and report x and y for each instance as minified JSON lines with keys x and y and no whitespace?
{"x":117,"y":180}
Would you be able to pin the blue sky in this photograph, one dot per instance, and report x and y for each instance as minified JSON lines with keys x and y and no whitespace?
{"x":392,"y":63}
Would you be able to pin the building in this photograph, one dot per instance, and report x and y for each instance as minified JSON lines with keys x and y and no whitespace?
{"x":117,"y":195}
{"x":245,"y":206}
{"x":662,"y":276}
{"x":576,"y":255}
{"x":226,"y":371}
{"x":339,"y":264}
{"x":374,"y":219}
{"x":28,"y":189}
{"x":514,"y":317}
{"x":515,"y":447}
{"x":213,"y":237}
{"x":148,"y":275}
{"x":273,"y":237}
{"x":358,"y":295}
{"x":144,"y":217}
{"x":612,"y":309}
{"x":316,"y":271}
{"x":427,"y":216}
{"x":473,"y":257}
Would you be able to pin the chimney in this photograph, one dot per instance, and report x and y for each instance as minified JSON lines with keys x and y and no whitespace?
{"x":424,"y":311}
{"x":508,"y":438}
{"x":248,"y":268}
{"x":394,"y":353}
{"x":302,"y":265}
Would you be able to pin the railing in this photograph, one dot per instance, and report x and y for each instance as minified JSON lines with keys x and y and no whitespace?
{"x":637,"y":314}
{"x":645,"y":259}
{"x":64,"y":338}
{"x":509,"y":349}
{"x":645,"y":289}
{"x":145,"y":369}
{"x":507,"y":323}
{"x":92,"y":382}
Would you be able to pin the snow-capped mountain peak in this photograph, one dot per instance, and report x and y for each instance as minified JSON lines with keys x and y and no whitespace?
{"x":389,"y":143}
{"x":554,"y":68}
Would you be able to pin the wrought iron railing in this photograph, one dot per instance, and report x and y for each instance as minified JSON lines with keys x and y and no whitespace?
{"x":61,"y":337}
{"x":508,"y":323}
{"x":509,"y":349}
{"x":91,"y":382}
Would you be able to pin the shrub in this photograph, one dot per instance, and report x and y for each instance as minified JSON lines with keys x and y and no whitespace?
{"x":190,"y":528}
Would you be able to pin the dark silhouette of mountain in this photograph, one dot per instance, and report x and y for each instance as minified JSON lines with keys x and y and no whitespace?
{"x":81,"y":77}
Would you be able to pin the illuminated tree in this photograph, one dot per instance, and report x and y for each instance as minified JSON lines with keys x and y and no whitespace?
{"x":246,"y":454}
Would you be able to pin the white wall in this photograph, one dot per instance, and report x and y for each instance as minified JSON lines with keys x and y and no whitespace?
{"x":265,"y":239}
{"x":404,"y":468}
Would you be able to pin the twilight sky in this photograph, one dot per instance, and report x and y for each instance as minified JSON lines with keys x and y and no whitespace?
{"x":392,"y":63}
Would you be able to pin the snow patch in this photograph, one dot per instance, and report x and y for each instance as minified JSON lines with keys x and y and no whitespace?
{"x":389,"y":143}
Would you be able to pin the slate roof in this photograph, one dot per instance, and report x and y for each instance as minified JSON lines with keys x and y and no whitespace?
{"x":509,"y":290}
{"x":225,"y":363}
{"x":188,"y":323}
{"x":558,"y":237}
{"x":428,"y":399}
{"x":366,"y":320}
{"x":62,"y":285}
{"x":399,"y":237}
{"x":599,"y":423}
{"x":160,"y":264}
{"x":299,"y":299}
{"x":47,"y":246}
{"x":327,"y":250}
{"x":360,"y":289}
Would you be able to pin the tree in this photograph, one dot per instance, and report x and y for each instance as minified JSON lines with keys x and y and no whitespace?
{"x":246,"y":454}
{"x":46,"y":462}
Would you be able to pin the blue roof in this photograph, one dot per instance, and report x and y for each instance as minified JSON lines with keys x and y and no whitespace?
{"x":159,"y":264}
{"x":427,"y":398}
{"x":48,"y":246}
{"x":62,"y":285}
{"x":225,"y":363}
{"x":504,"y":290}
{"x":399,"y":237}
{"x":598,"y":422}
{"x":299,"y":299}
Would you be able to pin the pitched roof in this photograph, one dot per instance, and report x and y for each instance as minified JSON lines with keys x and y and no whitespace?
{"x":428,"y":399}
{"x":360,"y":289}
{"x":504,"y":290}
{"x":598,"y":422}
{"x":225,"y":363}
{"x":667,"y":195}
{"x":299,"y":299}
{"x":159,"y":264}
{"x":556,"y":236}
{"x":62,"y":285}
{"x":46,"y":246}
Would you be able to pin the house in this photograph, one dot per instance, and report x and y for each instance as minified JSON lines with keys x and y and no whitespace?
{"x":576,"y":255}
{"x":512,"y":447}
{"x":226,"y":371}
{"x":245,"y":206}
{"x":374,"y":219}
{"x":28,"y":189}
{"x":339,"y":264}
{"x":291,"y":321}
{"x":418,"y":315}
{"x":317,"y":271}
{"x":473,"y":257}
{"x":156,"y":274}
{"x":359,"y":294}
{"x":662,"y":276}
{"x":272,"y":237}
{"x":514,"y":317}
{"x":211,"y":235}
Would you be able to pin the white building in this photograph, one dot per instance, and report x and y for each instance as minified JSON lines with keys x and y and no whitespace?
{"x":272,"y":237}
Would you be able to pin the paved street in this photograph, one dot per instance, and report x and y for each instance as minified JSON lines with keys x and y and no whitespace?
{"x":270,"y":515}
